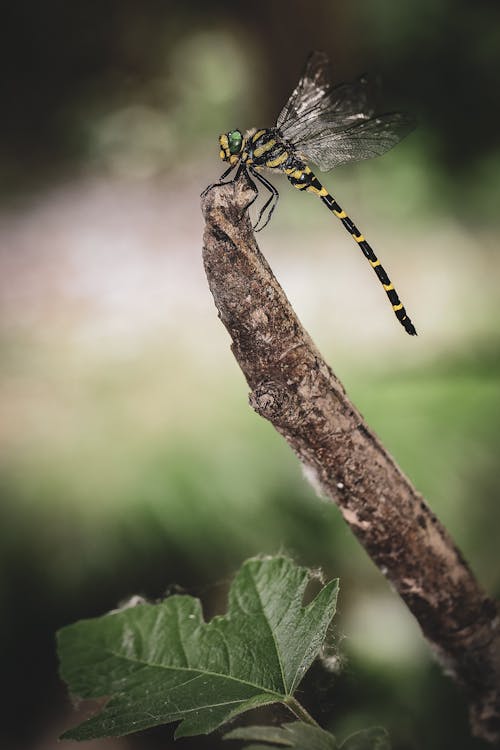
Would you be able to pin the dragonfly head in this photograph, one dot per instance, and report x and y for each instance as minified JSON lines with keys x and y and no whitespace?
{"x":231,"y":145}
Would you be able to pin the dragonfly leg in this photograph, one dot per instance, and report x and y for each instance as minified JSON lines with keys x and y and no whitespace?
{"x":242,"y":168}
{"x":272,"y":200}
{"x":222,"y":179}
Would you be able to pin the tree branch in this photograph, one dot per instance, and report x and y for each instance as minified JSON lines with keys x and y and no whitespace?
{"x":293,"y":387}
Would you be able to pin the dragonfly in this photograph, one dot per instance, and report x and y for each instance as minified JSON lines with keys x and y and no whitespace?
{"x":326,"y":125}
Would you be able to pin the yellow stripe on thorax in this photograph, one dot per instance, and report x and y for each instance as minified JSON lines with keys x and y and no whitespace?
{"x":267,"y":146}
{"x":279,"y":160}
{"x":257,"y":135}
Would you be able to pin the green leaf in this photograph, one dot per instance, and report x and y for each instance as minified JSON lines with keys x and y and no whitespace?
{"x":300,"y":736}
{"x":296,"y":735}
{"x":162,"y":663}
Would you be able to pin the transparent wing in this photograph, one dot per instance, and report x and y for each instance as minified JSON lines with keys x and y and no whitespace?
{"x":363,"y":140}
{"x":315,"y":101}
{"x":309,"y":92}
{"x":332,"y":125}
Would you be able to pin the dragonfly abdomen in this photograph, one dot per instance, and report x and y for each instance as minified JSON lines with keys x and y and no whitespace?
{"x":303,"y":178}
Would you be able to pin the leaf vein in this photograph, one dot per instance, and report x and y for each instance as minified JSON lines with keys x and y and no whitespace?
{"x":200,"y":672}
{"x":278,"y":654}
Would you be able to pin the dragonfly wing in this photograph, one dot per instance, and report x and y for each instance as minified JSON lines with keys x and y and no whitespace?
{"x":333,"y":125}
{"x":329,"y":148}
{"x":315,"y":102}
{"x":310,"y":90}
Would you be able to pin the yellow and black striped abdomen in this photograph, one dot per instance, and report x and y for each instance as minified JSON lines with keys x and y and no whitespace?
{"x":303,"y":178}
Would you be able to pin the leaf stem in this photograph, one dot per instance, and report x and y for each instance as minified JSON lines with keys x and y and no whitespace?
{"x":299,"y":711}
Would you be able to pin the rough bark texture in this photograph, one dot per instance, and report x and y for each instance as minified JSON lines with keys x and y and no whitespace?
{"x":297,"y":392}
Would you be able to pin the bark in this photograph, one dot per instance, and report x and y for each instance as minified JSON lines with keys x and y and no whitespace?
{"x":293,"y":387}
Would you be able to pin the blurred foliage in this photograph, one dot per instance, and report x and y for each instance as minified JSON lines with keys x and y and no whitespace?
{"x":112,"y":79}
{"x":113,"y":502}
{"x":124,"y":473}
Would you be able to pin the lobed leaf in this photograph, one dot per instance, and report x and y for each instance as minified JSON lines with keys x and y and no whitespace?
{"x":159,"y":663}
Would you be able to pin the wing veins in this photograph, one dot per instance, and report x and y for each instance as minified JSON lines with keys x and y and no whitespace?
{"x":333,"y":125}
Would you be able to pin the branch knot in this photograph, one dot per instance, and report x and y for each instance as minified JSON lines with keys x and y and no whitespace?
{"x":270,"y":399}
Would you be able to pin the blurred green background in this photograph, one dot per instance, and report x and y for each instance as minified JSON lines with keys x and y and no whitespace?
{"x":130,"y":459}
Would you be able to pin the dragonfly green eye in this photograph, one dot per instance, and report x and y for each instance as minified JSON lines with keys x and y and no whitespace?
{"x":235,"y":140}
